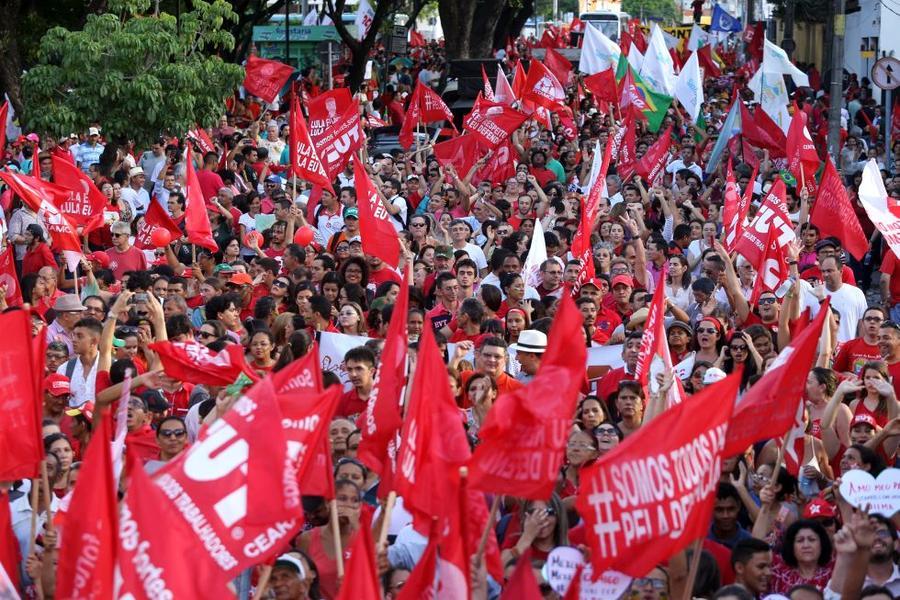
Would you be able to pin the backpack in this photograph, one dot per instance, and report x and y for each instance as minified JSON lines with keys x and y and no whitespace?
{"x":70,"y":367}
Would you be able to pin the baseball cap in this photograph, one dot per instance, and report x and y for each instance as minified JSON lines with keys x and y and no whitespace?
{"x":531,"y":340}
{"x":100,"y":257}
{"x":57,"y":385}
{"x":86,"y":409}
{"x":95,"y":131}
{"x":287,"y":561}
{"x":351,"y":211}
{"x":241,"y":279}
{"x":713,"y":375}
{"x":864,"y":419}
{"x":622,"y":280}
{"x":819,"y":508}
{"x":443,"y":252}
{"x":222,"y":267}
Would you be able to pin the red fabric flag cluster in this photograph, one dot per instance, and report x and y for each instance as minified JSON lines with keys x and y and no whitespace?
{"x":652,"y":165}
{"x":85,"y":204}
{"x":803,"y":160}
{"x":559,"y":65}
{"x":833,"y":213}
{"x":759,"y":129}
{"x":603,"y":86}
{"x":653,"y":494}
{"x":196,"y":220}
{"x":524,"y":436}
{"x":264,"y":78}
{"x":736,"y":207}
{"x":155,"y":218}
{"x":361,"y":580}
{"x":772,"y":214}
{"x":379,"y":237}
{"x":425,"y":106}
{"x":335,"y":129}
{"x":305,"y":162}
{"x":777,"y":394}
{"x":195,"y":363}
{"x":43,"y":197}
{"x":543,"y":88}
{"x":85,"y":569}
{"x":771,"y":270}
{"x":21,"y":444}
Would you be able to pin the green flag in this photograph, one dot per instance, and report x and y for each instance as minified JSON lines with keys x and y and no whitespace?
{"x":657,"y":104}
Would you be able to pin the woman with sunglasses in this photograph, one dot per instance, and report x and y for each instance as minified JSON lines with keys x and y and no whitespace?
{"x":709,"y":340}
{"x":581,"y":451}
{"x":282,"y":292}
{"x":740,"y":352}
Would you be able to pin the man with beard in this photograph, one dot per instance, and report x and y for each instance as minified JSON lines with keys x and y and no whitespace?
{"x":882,"y":571}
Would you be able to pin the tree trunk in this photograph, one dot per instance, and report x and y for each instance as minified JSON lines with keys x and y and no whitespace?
{"x":511,"y":22}
{"x":487,"y":15}
{"x":456,"y":20}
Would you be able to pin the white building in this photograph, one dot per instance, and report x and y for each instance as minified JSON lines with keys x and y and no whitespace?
{"x":871,"y":31}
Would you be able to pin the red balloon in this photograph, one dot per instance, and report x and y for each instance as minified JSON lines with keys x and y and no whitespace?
{"x":160,"y":237}
{"x":304,"y":236}
{"x":253,"y":235}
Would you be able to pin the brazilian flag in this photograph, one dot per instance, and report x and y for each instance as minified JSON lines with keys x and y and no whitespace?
{"x":657,"y":104}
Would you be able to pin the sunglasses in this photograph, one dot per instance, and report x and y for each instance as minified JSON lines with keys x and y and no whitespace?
{"x":172,"y":433}
{"x":604,"y":431}
{"x":280,"y":283}
{"x":709,"y":330}
{"x":206,"y":335}
{"x":767,"y":301}
{"x":740,"y":348}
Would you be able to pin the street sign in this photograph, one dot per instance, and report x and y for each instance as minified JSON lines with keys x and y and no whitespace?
{"x":886,"y":73}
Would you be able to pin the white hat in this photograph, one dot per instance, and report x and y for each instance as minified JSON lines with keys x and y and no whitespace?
{"x":531,"y":340}
{"x":93,"y":131}
{"x":713,"y":375}
{"x":290,"y":562}
{"x":135,"y":171}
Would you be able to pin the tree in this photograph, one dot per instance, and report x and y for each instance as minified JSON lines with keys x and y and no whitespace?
{"x":659,"y":10}
{"x":470,"y":25}
{"x":138,"y":75}
{"x":359,"y":49}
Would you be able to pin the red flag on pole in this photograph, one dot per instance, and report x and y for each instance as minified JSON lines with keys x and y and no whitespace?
{"x":626,"y":159}
{"x":522,"y":584}
{"x":736,"y":207}
{"x":9,"y":279}
{"x":652,"y":165}
{"x":42,"y":196}
{"x":492,"y":123}
{"x":603,"y":86}
{"x":265,"y":78}
{"x":241,"y":482}
{"x":21,"y":444}
{"x":488,"y":91}
{"x":518,"y":82}
{"x":775,"y":395}
{"x":85,"y":569}
{"x":771,"y":271}
{"x":560,"y":65}
{"x":303,"y":373}
{"x":803,"y":160}
{"x":543,"y":88}
{"x":382,"y":418}
{"x":420,"y":585}
{"x":521,"y":451}
{"x":85,"y":204}
{"x":639,"y":503}
{"x":305,"y":417}
{"x":202,"y":139}
{"x":361,"y":580}
{"x":461,"y":152}
{"x":773,"y":214}
{"x":196,"y":220}
{"x":433,"y":443}
{"x":833,"y":213}
{"x":756,"y":135}
{"x":379,"y":237}
{"x":195,"y":363}
{"x":631,"y":101}
{"x":655,"y":348}
{"x":155,"y":218}
{"x":411,"y":118}
{"x":305,"y":162}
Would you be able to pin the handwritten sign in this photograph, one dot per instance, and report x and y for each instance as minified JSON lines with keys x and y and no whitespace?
{"x":560,"y":568}
{"x":881,"y":495}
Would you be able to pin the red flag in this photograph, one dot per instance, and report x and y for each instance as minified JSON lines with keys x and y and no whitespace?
{"x":265,"y":78}
{"x":10,"y":555}
{"x":772,"y":130}
{"x":524,"y":436}
{"x":411,"y":118}
{"x":803,"y":160}
{"x":335,"y":129}
{"x":652,"y":165}
{"x":475,"y":510}
{"x":709,"y":66}
{"x":420,"y":585}
{"x":41,"y":196}
{"x":461,"y":152}
{"x":503,"y":92}
{"x":241,"y":484}
{"x":85,"y":204}
{"x":196,"y":220}
{"x":560,"y":65}
{"x":603,"y":86}
{"x":655,"y":348}
{"x":303,"y":373}
{"x":796,"y":442}
{"x":379,"y":237}
{"x":833,"y":213}
{"x":522,"y":584}
{"x":777,"y":394}
{"x":492,"y":122}
{"x":305,"y":418}
{"x":626,"y":159}
{"x":85,"y":569}
{"x":543,"y":88}
{"x":653,"y":494}
{"x":416,"y":39}
{"x":195,"y":363}
{"x":756,"y":135}
{"x":361,"y":579}
{"x":772,"y":270}
{"x":736,"y":207}
{"x":518,"y":82}
{"x":157,"y":558}
{"x":202,"y":139}
{"x":155,"y":218}
{"x":8,"y":277}
{"x":488,"y":91}
{"x":424,"y":106}
{"x":631,"y":101}
{"x":433,"y":443}
{"x":773,"y":213}
{"x":500,"y":167}
{"x":305,"y":162}
{"x":382,"y":419}
{"x":21,"y":445}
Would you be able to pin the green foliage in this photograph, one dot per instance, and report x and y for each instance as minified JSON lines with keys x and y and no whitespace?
{"x":137,"y":75}
{"x":661,"y":10}
{"x":806,"y":11}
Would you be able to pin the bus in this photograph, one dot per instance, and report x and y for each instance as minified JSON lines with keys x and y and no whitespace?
{"x":611,"y":23}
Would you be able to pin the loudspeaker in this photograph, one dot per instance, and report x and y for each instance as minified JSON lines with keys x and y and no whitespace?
{"x":468,"y":75}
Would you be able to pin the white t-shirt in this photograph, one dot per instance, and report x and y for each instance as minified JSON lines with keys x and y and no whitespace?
{"x":476,"y":254}
{"x":850,"y":301}
{"x":399,"y":202}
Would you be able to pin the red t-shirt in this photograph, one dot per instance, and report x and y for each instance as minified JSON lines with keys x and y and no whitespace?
{"x":378,"y":277}
{"x":210,"y":183}
{"x":350,"y":404}
{"x":890,"y":266}
{"x":122,"y":262}
{"x":816,"y":273}
{"x":894,"y":372}
{"x":854,"y":354}
{"x":609,"y":385}
{"x":35,"y":259}
{"x":439,"y":316}
{"x":143,"y":441}
{"x":606,"y":322}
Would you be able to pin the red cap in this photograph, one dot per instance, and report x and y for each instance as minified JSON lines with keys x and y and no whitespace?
{"x":86,"y":409}
{"x":100,"y":257}
{"x":864,"y":418}
{"x":819,"y":508}
{"x":594,"y":282}
{"x":57,"y":385}
{"x":622,"y":280}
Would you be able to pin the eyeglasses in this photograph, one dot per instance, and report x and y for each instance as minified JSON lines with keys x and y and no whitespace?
{"x":172,"y":433}
{"x":280,"y":283}
{"x":770,"y":300}
{"x":605,"y":431}
{"x":739,"y":348}
{"x":579,"y":446}
{"x":417,"y":224}
{"x":709,"y":330}
{"x":549,"y":511}
{"x":873,"y":319}
{"x":117,"y":234}
{"x":206,"y":335}
{"x":657,"y":584}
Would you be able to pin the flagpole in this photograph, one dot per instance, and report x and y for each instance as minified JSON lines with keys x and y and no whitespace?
{"x":336,"y":534}
{"x":692,"y":571}
{"x":386,"y":518}
{"x":34,"y":512}
{"x":492,"y":516}
{"x":45,"y":483}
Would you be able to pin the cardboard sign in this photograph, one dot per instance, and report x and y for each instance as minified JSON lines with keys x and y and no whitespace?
{"x":881,"y":496}
{"x":561,"y":565}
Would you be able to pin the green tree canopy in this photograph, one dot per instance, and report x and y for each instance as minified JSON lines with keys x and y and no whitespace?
{"x":661,"y":10}
{"x":136,"y":74}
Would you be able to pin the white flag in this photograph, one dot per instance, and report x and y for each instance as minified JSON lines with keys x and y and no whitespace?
{"x":775,"y":60}
{"x":874,"y":199}
{"x":537,"y":254}
{"x":364,"y":17}
{"x":770,"y":91}
{"x":658,"y":70}
{"x":635,"y":58}
{"x":698,"y":39}
{"x":503,"y":92}
{"x":689,"y":87}
{"x":598,"y":52}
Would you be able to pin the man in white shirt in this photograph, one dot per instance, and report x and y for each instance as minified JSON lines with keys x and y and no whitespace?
{"x":135,"y":194}
{"x":848,"y":300}
{"x":394,"y":203}
{"x":82,"y":370}
{"x":460,"y":232}
{"x":685,"y":162}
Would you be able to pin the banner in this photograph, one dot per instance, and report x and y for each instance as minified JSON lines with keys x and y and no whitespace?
{"x":21,"y":444}
{"x":332,"y":348}
{"x":833,"y":213}
{"x":773,"y":213}
{"x":492,"y":122}
{"x":85,"y":204}
{"x":336,"y":135}
{"x":305,"y":162}
{"x":883,"y":211}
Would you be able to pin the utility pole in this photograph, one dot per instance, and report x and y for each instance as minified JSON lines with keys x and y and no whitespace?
{"x":837,"y":79}
{"x":287,"y":32}
{"x":787,"y":43}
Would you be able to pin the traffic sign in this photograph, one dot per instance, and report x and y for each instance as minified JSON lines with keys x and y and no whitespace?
{"x":886,"y":73}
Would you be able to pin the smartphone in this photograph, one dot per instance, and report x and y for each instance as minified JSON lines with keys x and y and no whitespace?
{"x":140,"y":297}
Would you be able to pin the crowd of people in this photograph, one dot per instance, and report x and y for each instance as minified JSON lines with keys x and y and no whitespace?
{"x":465,"y":240}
